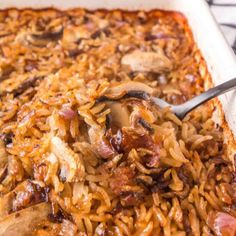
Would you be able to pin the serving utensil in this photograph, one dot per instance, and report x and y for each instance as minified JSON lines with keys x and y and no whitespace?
{"x":183,"y":109}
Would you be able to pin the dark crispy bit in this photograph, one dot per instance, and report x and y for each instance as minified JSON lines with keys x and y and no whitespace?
{"x":96,"y":34}
{"x":161,"y":185}
{"x":130,"y":198}
{"x":30,"y":65}
{"x":108,"y":122}
{"x":85,"y":19}
{"x":219,"y":161}
{"x":75,"y":52}
{"x":99,"y":32}
{"x":53,"y":36}
{"x":186,"y":223}
{"x":118,"y":208}
{"x":103,"y":99}
{"x":185,"y":175}
{"x":146,"y":125}
{"x":7,"y":137}
{"x":7,"y":70}
{"x":137,"y":94}
{"x":233,"y":180}
{"x":130,"y":94}
{"x":58,"y":217}
{"x":125,"y":140}
{"x":29,"y":83}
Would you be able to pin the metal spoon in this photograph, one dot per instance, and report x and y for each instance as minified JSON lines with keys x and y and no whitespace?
{"x":183,"y":109}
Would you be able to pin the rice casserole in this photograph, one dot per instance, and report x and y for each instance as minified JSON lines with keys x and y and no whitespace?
{"x":84,"y":152}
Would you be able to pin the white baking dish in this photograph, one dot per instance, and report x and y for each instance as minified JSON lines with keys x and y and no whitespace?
{"x":221,"y":61}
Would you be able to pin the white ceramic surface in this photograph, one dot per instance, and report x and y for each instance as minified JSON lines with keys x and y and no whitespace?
{"x":220,"y":58}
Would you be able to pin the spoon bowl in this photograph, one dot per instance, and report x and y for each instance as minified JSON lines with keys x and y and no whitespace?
{"x":183,"y":109}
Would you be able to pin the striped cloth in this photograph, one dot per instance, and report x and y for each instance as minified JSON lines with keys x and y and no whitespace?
{"x":225,"y":13}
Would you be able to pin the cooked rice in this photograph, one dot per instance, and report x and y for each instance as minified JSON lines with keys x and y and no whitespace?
{"x":69,"y":166}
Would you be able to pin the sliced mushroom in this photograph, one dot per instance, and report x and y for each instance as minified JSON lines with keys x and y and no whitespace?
{"x":71,"y":163}
{"x":23,"y":222}
{"x":43,"y":38}
{"x":147,"y":61}
{"x":131,"y":89}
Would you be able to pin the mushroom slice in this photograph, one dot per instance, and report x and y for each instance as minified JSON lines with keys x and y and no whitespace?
{"x":131,"y":88}
{"x":23,"y":222}
{"x":147,"y":61}
{"x":54,"y":36}
{"x":71,"y":163}
{"x":43,"y":38}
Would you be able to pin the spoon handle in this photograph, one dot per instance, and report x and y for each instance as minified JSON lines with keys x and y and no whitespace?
{"x":204,"y":97}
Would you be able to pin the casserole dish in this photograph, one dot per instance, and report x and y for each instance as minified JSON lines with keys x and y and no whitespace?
{"x":153,"y":170}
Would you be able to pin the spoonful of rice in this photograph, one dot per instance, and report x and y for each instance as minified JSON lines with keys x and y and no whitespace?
{"x":143,"y":91}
